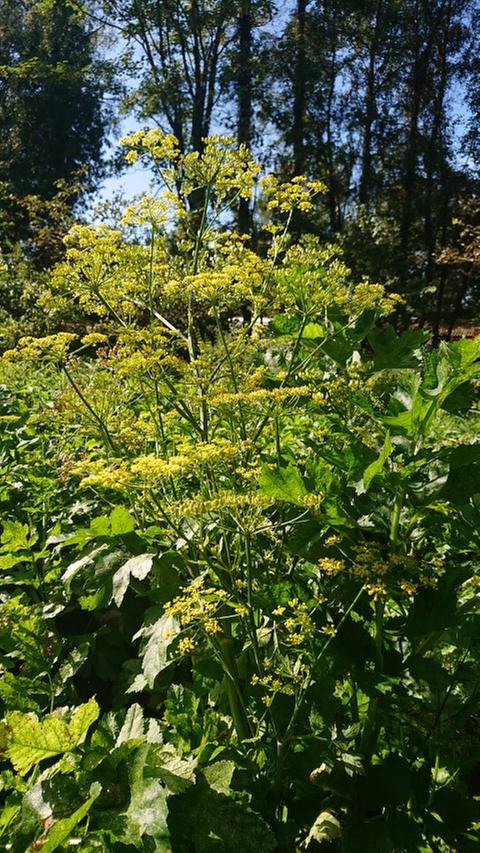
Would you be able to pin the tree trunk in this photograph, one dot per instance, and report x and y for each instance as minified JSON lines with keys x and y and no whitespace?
{"x":299,"y":91}
{"x":244,"y":83}
{"x":370,"y":111}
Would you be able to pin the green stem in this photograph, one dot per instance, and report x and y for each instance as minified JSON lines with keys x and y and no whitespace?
{"x":103,"y":427}
{"x":371,"y":728}
{"x":283,"y":743}
{"x":235,"y":698}
{"x":243,"y":429}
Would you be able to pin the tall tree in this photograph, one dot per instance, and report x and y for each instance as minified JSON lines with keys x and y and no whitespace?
{"x":175,"y":51}
{"x":52,"y":119}
{"x":245,"y":97}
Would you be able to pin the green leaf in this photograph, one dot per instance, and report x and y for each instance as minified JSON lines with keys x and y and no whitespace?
{"x":15,"y":536}
{"x":377,"y":466}
{"x":79,"y":564}
{"x":392,"y":351}
{"x":466,"y":351}
{"x":148,"y":808}
{"x":121,"y":521}
{"x":155,"y":652}
{"x":219,"y":776}
{"x":137,"y":567}
{"x":283,"y":484}
{"x":8,"y":561}
{"x":177,"y":773}
{"x":136,"y":728}
{"x":205,"y":821}
{"x":325,"y":828}
{"x":313,"y":331}
{"x":31,"y":739}
{"x":62,"y":830}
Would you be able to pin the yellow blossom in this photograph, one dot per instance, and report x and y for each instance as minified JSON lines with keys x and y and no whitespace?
{"x":331,"y":566}
{"x":186,"y":645}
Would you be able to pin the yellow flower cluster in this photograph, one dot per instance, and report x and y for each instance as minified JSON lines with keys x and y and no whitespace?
{"x":96,"y":474}
{"x":51,"y":348}
{"x":148,"y":210}
{"x":296,"y":194}
{"x":272,"y":684}
{"x":376,"y":590}
{"x":330,"y":566}
{"x":234,"y":278}
{"x":159,"y":145}
{"x":299,"y":625}
{"x":105,"y":273}
{"x":313,"y":502}
{"x":372,"y":297}
{"x":197,"y":607}
{"x":224,"y":501}
{"x":375,"y":570}
{"x":312,"y":277}
{"x":94,"y":338}
{"x":222,"y":166}
{"x":260,"y":395}
{"x":148,"y":470}
{"x":139,"y":351}
{"x":186,"y":645}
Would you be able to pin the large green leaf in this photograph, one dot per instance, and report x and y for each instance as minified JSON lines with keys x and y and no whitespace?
{"x":283,"y":484}
{"x":392,"y":351}
{"x":325,"y":828}
{"x":148,"y":808}
{"x":210,"y":822}
{"x":62,"y":829}
{"x":157,"y":636}
{"x":137,"y":567}
{"x":30,"y":740}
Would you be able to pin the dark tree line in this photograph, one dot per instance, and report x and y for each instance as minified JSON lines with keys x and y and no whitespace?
{"x":379,"y":98}
{"x":53,"y":119}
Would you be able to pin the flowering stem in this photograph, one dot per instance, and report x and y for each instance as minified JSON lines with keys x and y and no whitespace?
{"x":103,"y":427}
{"x":372,"y":728}
{"x":243,"y":430}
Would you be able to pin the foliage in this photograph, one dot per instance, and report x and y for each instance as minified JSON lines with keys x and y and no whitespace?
{"x":52,"y":119}
{"x":248,"y":547}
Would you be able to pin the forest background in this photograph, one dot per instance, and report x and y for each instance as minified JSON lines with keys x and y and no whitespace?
{"x":379,"y":99}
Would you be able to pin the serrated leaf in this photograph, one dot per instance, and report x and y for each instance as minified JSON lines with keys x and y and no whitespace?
{"x":31,"y":740}
{"x":159,"y":636}
{"x":15,"y":536}
{"x":219,"y":776}
{"x":148,"y":808}
{"x":177,"y":773}
{"x":325,"y":828}
{"x":313,"y":331}
{"x":393,"y":351}
{"x":283,"y":484}
{"x":62,"y":830}
{"x":133,"y":725}
{"x":8,"y":561}
{"x":137,"y":567}
{"x":121,"y":521}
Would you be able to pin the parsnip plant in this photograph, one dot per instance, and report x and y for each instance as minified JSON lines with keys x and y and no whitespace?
{"x":246,"y":615}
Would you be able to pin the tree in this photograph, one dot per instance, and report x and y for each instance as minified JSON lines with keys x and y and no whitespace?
{"x":175,"y":51}
{"x":52,"y":120}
